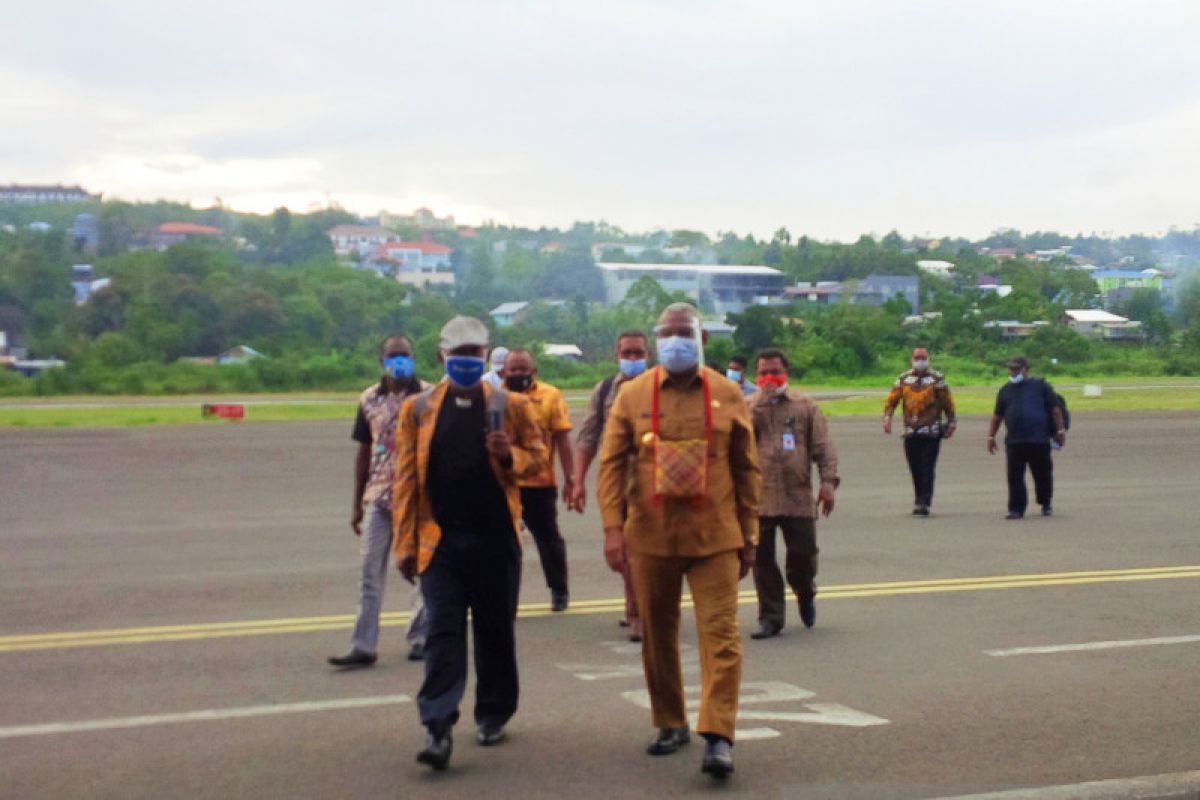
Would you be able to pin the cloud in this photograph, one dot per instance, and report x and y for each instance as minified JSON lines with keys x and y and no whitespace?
{"x":952,"y":116}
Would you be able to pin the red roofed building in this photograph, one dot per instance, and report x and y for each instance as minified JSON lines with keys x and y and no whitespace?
{"x":422,"y":256}
{"x":170,"y":233}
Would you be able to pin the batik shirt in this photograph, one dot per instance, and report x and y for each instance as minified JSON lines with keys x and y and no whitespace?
{"x":925,"y":400}
{"x":375,"y":426}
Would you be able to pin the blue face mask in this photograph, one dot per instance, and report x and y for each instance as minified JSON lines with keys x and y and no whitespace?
{"x":465,"y":372}
{"x":1020,"y":376}
{"x":631,"y":368}
{"x":734,"y":375}
{"x":400,"y":367}
{"x":678,"y":353}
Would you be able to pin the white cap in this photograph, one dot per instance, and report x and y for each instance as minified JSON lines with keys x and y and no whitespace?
{"x":498,"y":356}
{"x":463,"y":331}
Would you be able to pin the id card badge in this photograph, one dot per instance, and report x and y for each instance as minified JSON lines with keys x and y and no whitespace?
{"x":789,"y":442}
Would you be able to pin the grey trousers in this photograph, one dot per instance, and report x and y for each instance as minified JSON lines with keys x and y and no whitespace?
{"x":376,"y":547}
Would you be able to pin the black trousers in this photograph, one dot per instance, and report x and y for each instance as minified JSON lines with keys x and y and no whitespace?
{"x":539,"y":510}
{"x":800,"y":539}
{"x":1037,"y":456}
{"x":922,"y":454}
{"x":482,"y":573}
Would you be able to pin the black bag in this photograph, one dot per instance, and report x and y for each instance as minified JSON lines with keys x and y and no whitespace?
{"x":1062,"y":404}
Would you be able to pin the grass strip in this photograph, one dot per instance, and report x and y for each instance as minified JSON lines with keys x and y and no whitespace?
{"x":970,"y":400}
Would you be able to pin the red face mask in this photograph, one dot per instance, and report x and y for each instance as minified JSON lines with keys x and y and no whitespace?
{"x":769,"y":382}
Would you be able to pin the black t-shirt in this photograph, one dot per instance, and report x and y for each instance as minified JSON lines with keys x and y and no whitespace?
{"x":1027,"y":410}
{"x":467,"y":499}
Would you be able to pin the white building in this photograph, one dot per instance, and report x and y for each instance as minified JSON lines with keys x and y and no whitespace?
{"x":570,"y":352}
{"x":416,"y":256}
{"x":1102,"y":324}
{"x":422,"y":218}
{"x":724,"y":288}
{"x":934,"y":267}
{"x":25,"y":194}
{"x":360,"y":239}
{"x":423,"y":279}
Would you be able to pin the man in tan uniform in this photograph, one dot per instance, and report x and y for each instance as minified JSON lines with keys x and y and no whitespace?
{"x":792,"y":436}
{"x":690,"y":510}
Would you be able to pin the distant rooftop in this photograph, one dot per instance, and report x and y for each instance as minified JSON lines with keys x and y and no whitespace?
{"x":507,"y":308}
{"x":188,"y":229}
{"x":1093,"y":315}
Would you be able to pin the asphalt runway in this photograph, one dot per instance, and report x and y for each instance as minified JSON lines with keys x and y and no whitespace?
{"x":168,"y":597}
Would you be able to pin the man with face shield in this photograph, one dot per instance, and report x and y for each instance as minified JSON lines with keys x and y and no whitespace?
{"x":632,"y":356}
{"x":374,"y":474}
{"x":539,"y":495}
{"x":678,"y":492}
{"x":461,"y":448}
{"x":928,"y":409}
{"x":792,"y":436}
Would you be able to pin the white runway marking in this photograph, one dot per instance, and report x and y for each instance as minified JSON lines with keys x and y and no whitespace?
{"x":206,"y":715}
{"x":1176,"y":786}
{"x":1074,"y":648}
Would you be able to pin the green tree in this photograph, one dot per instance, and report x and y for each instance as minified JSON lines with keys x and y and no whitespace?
{"x":647,"y":296}
{"x":757,"y":327}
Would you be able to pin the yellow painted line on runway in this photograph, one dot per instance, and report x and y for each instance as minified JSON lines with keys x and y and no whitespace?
{"x":221,"y":630}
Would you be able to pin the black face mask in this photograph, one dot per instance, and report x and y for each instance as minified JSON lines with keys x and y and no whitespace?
{"x":519,"y":383}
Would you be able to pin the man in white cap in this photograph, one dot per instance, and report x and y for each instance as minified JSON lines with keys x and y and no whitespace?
{"x":461,"y":447}
{"x":499,"y":356}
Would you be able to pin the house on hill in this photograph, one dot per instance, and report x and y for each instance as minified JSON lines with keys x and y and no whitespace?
{"x":171,"y":233}
{"x":1099,"y":324}
{"x":361,"y":239}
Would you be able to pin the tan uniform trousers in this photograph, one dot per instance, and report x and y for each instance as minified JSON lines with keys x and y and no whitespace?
{"x":658,"y":585}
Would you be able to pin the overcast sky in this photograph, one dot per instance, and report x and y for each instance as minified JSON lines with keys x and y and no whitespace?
{"x":830,"y":118}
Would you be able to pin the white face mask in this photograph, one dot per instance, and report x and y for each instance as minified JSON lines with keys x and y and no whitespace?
{"x":920,"y":363}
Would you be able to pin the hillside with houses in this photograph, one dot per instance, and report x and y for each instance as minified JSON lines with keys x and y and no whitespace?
{"x":92,"y":290}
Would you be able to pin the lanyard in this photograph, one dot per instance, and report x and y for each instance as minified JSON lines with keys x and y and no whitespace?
{"x":655,"y":405}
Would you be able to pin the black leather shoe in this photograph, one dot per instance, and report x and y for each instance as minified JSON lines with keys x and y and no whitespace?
{"x":766,"y":631}
{"x":559,"y":601}
{"x":1014,"y":515}
{"x":808,"y":611}
{"x":355,"y":658}
{"x":1047,"y":510}
{"x":718,"y":759}
{"x":490,"y":736}
{"x":669,"y":740}
{"x":921,"y":511}
{"x":437,"y":751}
{"x":417,"y":652}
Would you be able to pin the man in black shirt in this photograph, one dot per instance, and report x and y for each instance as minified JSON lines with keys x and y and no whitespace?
{"x":1032,"y":417}
{"x":460,"y":449}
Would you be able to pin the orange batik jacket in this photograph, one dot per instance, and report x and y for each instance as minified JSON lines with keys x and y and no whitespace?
{"x":415,"y":531}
